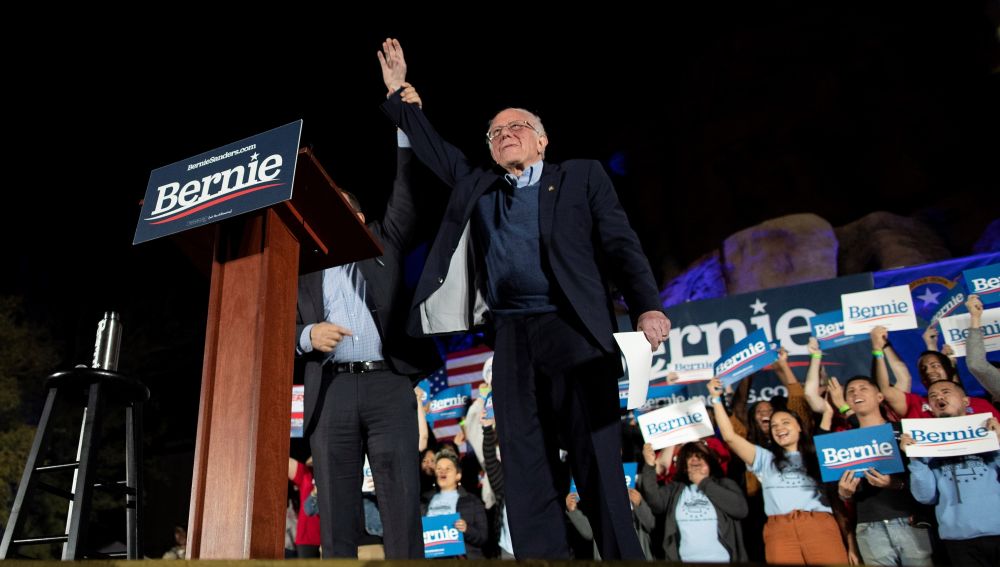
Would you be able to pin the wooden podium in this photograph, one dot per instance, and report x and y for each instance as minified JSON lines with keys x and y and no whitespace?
{"x":239,"y":488}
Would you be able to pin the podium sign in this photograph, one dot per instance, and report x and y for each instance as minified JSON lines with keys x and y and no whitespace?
{"x":237,"y":178}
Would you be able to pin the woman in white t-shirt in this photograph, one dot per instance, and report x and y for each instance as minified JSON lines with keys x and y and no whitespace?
{"x":801,"y":528}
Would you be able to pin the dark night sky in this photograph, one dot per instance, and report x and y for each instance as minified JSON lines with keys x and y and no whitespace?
{"x":720,"y":119}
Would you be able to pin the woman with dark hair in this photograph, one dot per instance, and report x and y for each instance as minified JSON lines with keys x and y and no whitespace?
{"x":801,"y":528}
{"x":703,"y":508}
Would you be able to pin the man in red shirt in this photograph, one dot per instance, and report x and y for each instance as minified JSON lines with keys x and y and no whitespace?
{"x":933,"y":367}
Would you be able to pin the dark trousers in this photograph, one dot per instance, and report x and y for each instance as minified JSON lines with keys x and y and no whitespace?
{"x":303,"y":551}
{"x":554,"y":389}
{"x":374,"y":413}
{"x":980,"y":551}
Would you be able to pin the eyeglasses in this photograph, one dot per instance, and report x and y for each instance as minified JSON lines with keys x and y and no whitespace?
{"x":515,"y":126}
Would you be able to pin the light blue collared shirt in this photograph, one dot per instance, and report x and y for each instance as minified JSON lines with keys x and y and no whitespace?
{"x":344,"y":304}
{"x":530,"y":176}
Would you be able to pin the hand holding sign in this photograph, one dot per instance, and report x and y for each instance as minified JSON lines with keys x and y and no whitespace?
{"x":975,"y":307}
{"x":877,"y":479}
{"x":813,"y":346}
{"x":848,"y":485}
{"x":634,"y":497}
{"x":905,"y":442}
{"x":648,"y":454}
{"x":656,"y":327}
{"x":715,"y":387}
{"x":880,"y":337}
{"x":930,"y":337}
{"x":571,"y":499}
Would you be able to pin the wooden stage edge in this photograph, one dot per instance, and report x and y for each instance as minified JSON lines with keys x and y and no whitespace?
{"x":337,"y":563}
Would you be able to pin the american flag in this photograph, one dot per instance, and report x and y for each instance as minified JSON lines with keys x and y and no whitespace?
{"x":298,"y":409}
{"x":466,"y":367}
{"x":438,"y":381}
{"x":444,"y":429}
{"x":461,"y":367}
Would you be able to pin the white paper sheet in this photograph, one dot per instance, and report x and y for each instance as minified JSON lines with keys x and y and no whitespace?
{"x":638,"y":365}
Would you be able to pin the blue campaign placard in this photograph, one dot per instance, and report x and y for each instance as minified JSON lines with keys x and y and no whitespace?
{"x":441,"y":537}
{"x":425,"y":385}
{"x":488,"y":406}
{"x":745,"y":357}
{"x":984,"y":282}
{"x":828,"y":328}
{"x":630,"y":470}
{"x":449,"y":403}
{"x":857,"y":450}
{"x":231,"y":180}
{"x":953,"y":303}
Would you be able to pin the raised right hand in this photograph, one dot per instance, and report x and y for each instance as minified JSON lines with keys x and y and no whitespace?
{"x":393,"y":64}
{"x":648,"y":454}
{"x":930,"y":337}
{"x":571,"y":499}
{"x":813,"y":346}
{"x":975,"y":307}
{"x":880,"y":337}
{"x":715,"y":387}
{"x":326,"y":336}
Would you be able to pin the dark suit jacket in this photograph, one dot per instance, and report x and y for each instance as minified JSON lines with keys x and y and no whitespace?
{"x":585,"y":235}
{"x":387,"y":297}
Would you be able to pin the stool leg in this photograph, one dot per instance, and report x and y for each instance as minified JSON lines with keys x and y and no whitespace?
{"x":83,"y":489}
{"x":28,"y":478}
{"x":133,"y":479}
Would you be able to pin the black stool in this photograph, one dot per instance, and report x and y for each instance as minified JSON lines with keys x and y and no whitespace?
{"x":92,"y":389}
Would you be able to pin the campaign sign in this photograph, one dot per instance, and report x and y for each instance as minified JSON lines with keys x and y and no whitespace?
{"x":449,"y":403}
{"x":425,"y":387}
{"x":703,"y":330}
{"x":630,"y":470}
{"x":237,"y":178}
{"x":951,"y":304}
{"x":675,"y":424}
{"x":441,"y":537}
{"x":857,"y":450}
{"x":891,"y":307}
{"x":745,"y":357}
{"x":298,"y":409}
{"x":367,"y":479}
{"x":688,"y":372}
{"x":955,"y":331}
{"x":984,"y":282}
{"x":488,"y":406}
{"x":656,"y":396}
{"x":950,"y":436}
{"x":828,"y":328}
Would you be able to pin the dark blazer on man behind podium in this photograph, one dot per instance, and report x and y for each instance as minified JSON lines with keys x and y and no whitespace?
{"x":389,"y":301}
{"x":345,"y":412}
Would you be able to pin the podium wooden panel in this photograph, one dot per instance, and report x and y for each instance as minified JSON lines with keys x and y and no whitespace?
{"x":239,"y":487}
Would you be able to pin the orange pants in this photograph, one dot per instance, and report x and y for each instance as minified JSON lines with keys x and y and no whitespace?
{"x":803,"y":538}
